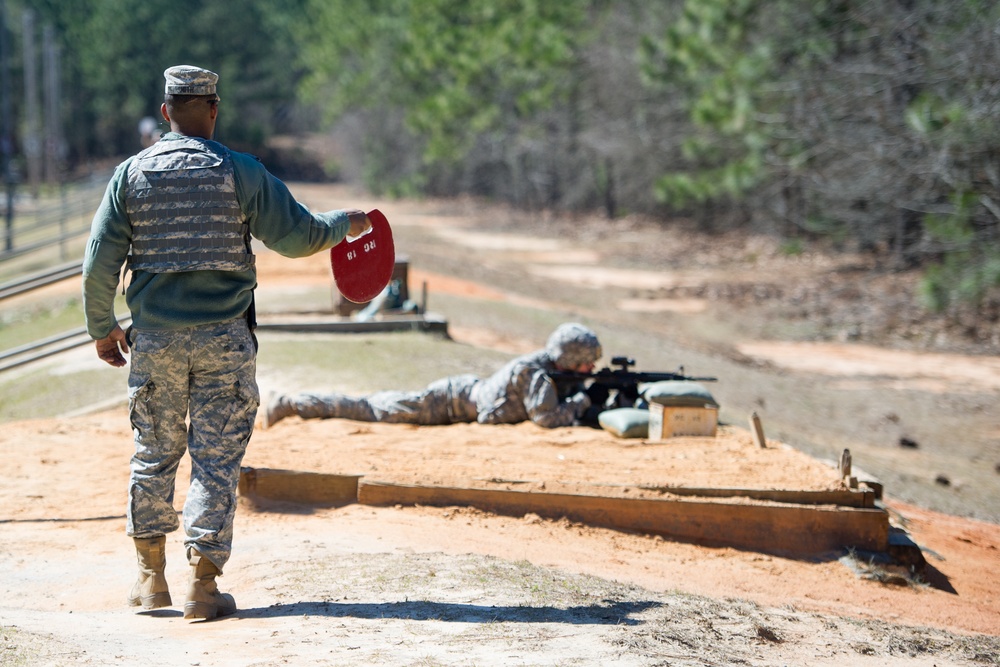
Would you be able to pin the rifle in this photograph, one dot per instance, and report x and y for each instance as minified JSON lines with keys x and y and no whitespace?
{"x":616,"y":388}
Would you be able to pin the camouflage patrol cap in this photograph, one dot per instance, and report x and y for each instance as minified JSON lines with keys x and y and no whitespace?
{"x":573,"y":344}
{"x":189,"y":80}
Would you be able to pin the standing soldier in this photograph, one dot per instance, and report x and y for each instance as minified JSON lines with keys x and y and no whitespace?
{"x":181,"y":214}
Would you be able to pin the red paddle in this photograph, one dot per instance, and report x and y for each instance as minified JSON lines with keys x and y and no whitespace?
{"x":362,"y":265}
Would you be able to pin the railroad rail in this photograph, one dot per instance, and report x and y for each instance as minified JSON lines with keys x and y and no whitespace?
{"x":53,"y":345}
{"x":47,"y":347}
{"x":428,"y":323}
{"x":40,"y":279}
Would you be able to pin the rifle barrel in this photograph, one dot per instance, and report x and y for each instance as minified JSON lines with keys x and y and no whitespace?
{"x":606,"y":374}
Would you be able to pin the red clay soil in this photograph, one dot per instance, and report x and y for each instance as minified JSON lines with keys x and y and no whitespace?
{"x":71,"y":471}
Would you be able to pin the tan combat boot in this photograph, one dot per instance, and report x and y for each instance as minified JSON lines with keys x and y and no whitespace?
{"x":150,"y":590}
{"x":204,"y":599}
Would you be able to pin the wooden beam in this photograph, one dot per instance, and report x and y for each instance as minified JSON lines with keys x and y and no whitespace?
{"x":862,"y":498}
{"x":307,"y":488}
{"x":771,"y":527}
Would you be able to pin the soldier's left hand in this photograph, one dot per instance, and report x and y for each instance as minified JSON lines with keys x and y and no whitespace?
{"x":110,"y":348}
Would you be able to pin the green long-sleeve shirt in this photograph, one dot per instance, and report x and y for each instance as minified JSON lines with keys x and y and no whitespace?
{"x":192,"y":298}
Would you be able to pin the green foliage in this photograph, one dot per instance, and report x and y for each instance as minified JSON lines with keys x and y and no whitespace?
{"x":732,"y":178}
{"x":478,"y":63}
{"x":850,"y":121}
{"x":456,"y":70}
{"x":711,"y":54}
{"x":968,"y":264}
{"x":847,"y":121}
{"x":968,"y":269}
{"x":349,"y":53}
{"x":116,"y":51}
{"x":956,"y":121}
{"x":930,"y":114}
{"x":792,"y":247}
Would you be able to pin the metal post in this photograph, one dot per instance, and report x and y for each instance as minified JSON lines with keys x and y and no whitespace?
{"x":7,"y":140}
{"x":51,"y":115}
{"x":54,"y":146}
{"x":63,"y":222}
{"x":32,"y":139}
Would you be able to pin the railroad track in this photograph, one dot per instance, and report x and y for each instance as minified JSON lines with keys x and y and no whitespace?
{"x":52,"y":345}
{"x":40,"y":279}
{"x":40,"y":349}
{"x":63,"y":342}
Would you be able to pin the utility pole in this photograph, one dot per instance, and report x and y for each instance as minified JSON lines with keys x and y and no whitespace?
{"x":7,"y":140}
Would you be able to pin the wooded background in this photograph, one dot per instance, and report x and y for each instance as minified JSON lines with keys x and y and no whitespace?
{"x":868,"y":125}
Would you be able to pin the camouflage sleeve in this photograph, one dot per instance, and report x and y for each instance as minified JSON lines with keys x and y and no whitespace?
{"x":542,"y":403}
{"x":106,"y":251}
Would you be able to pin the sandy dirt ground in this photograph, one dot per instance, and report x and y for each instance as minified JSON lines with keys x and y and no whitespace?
{"x":453,"y":585}
{"x":457,"y":586}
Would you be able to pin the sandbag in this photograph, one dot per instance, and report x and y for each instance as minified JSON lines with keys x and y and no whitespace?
{"x":625,"y":422}
{"x":679,"y":394}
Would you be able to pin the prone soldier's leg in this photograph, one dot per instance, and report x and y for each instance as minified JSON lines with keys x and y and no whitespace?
{"x":444,"y":401}
{"x":322,"y":406}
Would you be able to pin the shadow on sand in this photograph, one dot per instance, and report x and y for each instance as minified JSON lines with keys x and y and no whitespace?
{"x":614,"y":613}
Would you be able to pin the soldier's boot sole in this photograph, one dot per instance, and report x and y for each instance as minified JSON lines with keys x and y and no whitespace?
{"x":224,"y":605}
{"x":154,"y":601}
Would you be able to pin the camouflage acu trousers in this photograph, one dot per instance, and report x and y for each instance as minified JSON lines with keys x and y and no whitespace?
{"x":445,"y":401}
{"x":191,"y":389}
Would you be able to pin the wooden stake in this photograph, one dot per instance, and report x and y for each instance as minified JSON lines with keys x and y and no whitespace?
{"x":758,"y":431}
{"x":845,"y":463}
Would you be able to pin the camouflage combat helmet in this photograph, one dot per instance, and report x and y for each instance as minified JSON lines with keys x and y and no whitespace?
{"x":573,"y":344}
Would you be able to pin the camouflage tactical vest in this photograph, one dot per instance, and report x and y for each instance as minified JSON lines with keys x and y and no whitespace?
{"x":181,"y":201}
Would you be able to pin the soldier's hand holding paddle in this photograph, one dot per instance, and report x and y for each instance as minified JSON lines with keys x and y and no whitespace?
{"x":363,"y":262}
{"x":359,"y":222}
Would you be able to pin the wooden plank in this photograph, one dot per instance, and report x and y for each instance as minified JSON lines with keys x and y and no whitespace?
{"x":862,"y":498}
{"x":309,"y":488}
{"x":771,"y":528}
